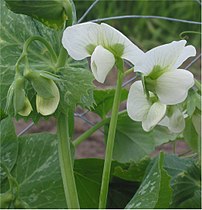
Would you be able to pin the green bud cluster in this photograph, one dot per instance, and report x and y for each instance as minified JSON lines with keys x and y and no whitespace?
{"x":47,"y":93}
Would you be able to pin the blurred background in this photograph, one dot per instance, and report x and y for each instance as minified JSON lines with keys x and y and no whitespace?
{"x":146,"y":33}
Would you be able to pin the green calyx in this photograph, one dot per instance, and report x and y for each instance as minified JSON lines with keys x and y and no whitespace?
{"x":90,"y":48}
{"x":117,"y":50}
{"x":42,"y":85}
{"x":150,"y":84}
{"x":157,"y":71}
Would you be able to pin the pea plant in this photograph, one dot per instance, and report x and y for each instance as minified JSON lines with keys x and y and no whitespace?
{"x":48,"y":63}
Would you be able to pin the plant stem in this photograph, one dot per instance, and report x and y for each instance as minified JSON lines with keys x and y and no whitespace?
{"x":89,"y":132}
{"x":110,"y":142}
{"x":128,"y":71}
{"x":61,"y":58}
{"x":66,"y":163}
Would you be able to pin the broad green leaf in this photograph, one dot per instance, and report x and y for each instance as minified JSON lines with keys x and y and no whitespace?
{"x":175,"y":165}
{"x":191,"y":136}
{"x":104,"y":101}
{"x":120,"y":192}
{"x":187,"y":189}
{"x":132,"y":143}
{"x":8,"y":145}
{"x":155,"y":191}
{"x":37,"y":172}
{"x":52,"y":13}
{"x":133,"y":171}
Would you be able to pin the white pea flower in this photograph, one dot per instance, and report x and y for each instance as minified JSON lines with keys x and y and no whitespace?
{"x":139,"y":108}
{"x":162,"y":76}
{"x":103,"y":43}
{"x":175,"y":122}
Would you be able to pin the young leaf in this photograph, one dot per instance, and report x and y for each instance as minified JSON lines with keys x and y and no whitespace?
{"x":8,"y":145}
{"x":155,"y":191}
{"x":104,"y":100}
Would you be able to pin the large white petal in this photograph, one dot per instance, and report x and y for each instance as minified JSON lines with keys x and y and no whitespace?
{"x":176,"y":122}
{"x":137,"y":103}
{"x":154,"y":116}
{"x":102,"y":62}
{"x":77,"y":38}
{"x":172,"y":86}
{"x":187,"y":52}
{"x":164,"y":56}
{"x":112,"y":37}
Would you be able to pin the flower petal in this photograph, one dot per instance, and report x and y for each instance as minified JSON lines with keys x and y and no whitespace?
{"x":26,"y":109}
{"x":172,"y":86}
{"x":120,"y":44}
{"x":48,"y":106}
{"x":176,"y":122}
{"x":102,"y":62}
{"x":137,"y":103}
{"x":164,"y":56}
{"x":154,"y":116}
{"x":79,"y":39}
{"x":187,"y":52}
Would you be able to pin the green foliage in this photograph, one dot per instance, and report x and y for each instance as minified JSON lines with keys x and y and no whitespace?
{"x":191,"y":136}
{"x":155,"y":191}
{"x":133,"y":171}
{"x":132,"y":138}
{"x":104,"y":101}
{"x":8,"y":146}
{"x":187,"y":189}
{"x":52,"y":13}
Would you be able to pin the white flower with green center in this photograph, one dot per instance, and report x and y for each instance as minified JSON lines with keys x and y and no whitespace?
{"x":103,"y":43}
{"x":149,"y":112}
{"x":162,"y":76}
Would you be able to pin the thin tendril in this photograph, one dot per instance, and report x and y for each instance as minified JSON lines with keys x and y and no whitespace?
{"x":88,"y":10}
{"x":145,"y":17}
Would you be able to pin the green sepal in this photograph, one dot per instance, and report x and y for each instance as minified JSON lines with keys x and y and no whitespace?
{"x":41,"y":84}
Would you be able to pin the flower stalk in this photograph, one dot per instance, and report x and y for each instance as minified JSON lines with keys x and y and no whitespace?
{"x":110,"y":142}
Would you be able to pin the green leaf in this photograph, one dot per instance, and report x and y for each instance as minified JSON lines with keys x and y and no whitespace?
{"x":76,"y":87}
{"x":133,"y":171}
{"x":37,"y":172}
{"x":104,"y":101}
{"x":132,"y":143}
{"x":175,"y":165}
{"x":8,"y":145}
{"x":52,"y":13}
{"x":191,"y":136}
{"x":120,"y":193}
{"x":155,"y":191}
{"x":187,"y":189}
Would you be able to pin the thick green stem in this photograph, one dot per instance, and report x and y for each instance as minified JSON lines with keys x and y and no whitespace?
{"x":66,"y":163}
{"x":110,"y":143}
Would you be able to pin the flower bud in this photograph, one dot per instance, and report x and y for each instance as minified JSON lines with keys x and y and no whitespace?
{"x":42,"y":85}
{"x":19,"y":94}
{"x":48,"y":106}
